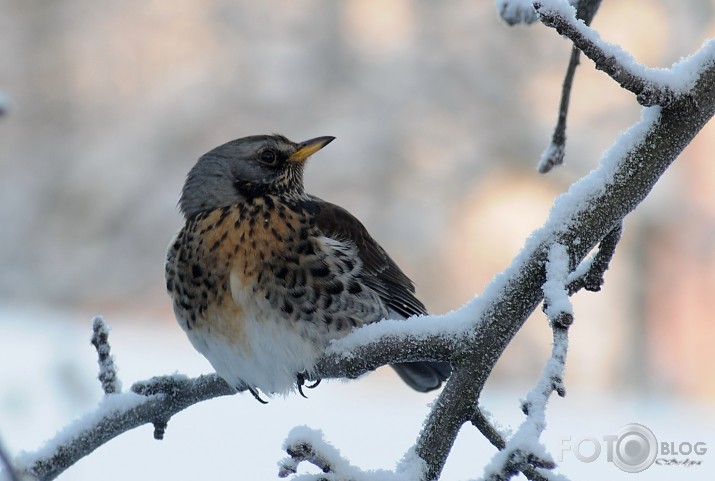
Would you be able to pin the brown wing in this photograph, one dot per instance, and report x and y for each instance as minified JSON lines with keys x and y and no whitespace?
{"x":379,"y":271}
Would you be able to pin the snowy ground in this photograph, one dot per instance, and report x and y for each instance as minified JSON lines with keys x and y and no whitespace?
{"x":47,"y":378}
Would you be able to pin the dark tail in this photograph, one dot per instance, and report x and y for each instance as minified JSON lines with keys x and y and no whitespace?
{"x":423,"y":376}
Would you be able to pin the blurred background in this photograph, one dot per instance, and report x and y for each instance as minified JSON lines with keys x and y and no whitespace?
{"x":441,"y":112}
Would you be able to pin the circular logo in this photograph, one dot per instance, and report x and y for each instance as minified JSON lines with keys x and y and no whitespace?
{"x":635,"y":448}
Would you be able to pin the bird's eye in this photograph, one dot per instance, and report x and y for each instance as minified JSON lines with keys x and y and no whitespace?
{"x":268,"y":157}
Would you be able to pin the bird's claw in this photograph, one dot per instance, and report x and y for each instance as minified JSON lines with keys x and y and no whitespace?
{"x":300,"y":382}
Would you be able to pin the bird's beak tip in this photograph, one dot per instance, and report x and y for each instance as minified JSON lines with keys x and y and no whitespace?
{"x":309,"y":147}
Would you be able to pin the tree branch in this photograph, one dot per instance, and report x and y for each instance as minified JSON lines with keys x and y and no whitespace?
{"x":107,"y":370}
{"x":554,"y":153}
{"x":517,"y":454}
{"x":307,"y":445}
{"x":159,"y":398}
{"x":580,"y":219}
{"x":495,"y":437}
{"x":590,"y":274}
{"x":611,"y":59}
{"x":299,"y":452}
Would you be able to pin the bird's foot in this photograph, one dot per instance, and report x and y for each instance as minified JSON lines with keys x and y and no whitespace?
{"x":257,"y":396}
{"x":300,"y":382}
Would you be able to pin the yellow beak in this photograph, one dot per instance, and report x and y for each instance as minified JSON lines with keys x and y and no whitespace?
{"x":309,"y":147}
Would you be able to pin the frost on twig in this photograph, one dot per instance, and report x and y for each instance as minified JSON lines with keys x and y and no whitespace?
{"x":611,"y":59}
{"x":107,"y":370}
{"x":118,"y":414}
{"x":523,"y":452}
{"x":307,"y":445}
{"x":301,"y":450}
{"x":153,"y":401}
{"x":516,"y":11}
{"x":480,"y":421}
{"x":589,"y":274}
{"x":554,"y":153}
{"x":557,"y":305}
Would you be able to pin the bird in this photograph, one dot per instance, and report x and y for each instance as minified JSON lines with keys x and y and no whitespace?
{"x":263,"y":276}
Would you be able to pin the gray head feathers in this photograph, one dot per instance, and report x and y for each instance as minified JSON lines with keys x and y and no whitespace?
{"x":240,"y":169}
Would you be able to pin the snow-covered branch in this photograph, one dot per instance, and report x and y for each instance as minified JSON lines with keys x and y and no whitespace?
{"x":307,"y":445}
{"x":651,"y":86}
{"x":557,"y":305}
{"x":523,"y":451}
{"x":480,"y":421}
{"x":554,"y":153}
{"x":580,"y":219}
{"x":589,"y":274}
{"x":149,"y":402}
{"x":107,"y":370}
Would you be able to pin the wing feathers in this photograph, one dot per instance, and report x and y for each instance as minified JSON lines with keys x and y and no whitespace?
{"x":379,"y":272}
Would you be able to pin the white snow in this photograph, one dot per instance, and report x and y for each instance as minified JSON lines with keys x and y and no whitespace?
{"x":516,"y":11}
{"x":577,"y":198}
{"x":108,"y":371}
{"x":680,"y":78}
{"x":108,"y":405}
{"x":557,"y":271}
{"x":551,"y":156}
{"x":408,"y":469}
{"x":455,"y":325}
{"x":526,"y":439}
{"x":374,"y":421}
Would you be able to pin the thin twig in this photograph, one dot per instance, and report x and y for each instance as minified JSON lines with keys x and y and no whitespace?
{"x":593,"y":278}
{"x":648,"y":93}
{"x":107,"y":370}
{"x":557,"y":305}
{"x":516,"y":456}
{"x":304,"y":444}
{"x":554,"y":153}
{"x":116,"y":414}
{"x":300,"y":452}
{"x":480,"y":421}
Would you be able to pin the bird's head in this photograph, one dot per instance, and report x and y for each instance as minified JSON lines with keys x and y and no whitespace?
{"x":245,"y":168}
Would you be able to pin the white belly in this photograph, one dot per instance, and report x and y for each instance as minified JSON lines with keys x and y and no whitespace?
{"x":257,"y":350}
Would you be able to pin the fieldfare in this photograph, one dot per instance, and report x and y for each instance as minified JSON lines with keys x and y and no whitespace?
{"x":263,"y":275}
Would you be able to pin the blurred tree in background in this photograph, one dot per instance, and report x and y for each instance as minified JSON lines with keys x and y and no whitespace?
{"x":440,"y":112}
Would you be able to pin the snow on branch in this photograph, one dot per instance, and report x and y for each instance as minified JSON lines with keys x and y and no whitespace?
{"x":589,"y":274}
{"x":523,"y":451}
{"x":154,"y":401}
{"x":307,"y":445}
{"x":579,"y":219}
{"x":480,"y":421}
{"x":554,"y":153}
{"x":107,"y":370}
{"x":651,"y":86}
{"x":557,"y":305}
{"x":516,"y":11}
